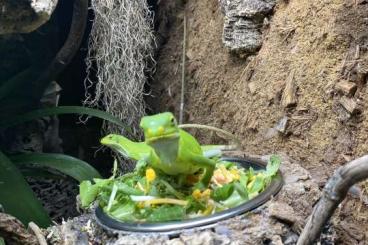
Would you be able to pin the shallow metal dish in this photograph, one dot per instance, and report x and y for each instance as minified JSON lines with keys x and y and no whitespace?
{"x":173,"y":227}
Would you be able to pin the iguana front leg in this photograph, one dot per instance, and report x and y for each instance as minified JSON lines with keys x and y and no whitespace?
{"x":206,"y":163}
{"x":210,"y":151}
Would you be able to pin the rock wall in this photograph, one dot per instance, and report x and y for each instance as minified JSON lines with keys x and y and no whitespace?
{"x":24,"y":16}
{"x":303,"y":93}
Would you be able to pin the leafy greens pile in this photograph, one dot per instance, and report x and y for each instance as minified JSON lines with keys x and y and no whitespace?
{"x":146,"y":195}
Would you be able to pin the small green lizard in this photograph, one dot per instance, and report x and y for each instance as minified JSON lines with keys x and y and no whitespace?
{"x":166,"y":147}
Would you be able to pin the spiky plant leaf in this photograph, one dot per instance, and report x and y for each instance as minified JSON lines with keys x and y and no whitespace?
{"x":68,"y":165}
{"x":40,"y":113}
{"x":17,"y":197}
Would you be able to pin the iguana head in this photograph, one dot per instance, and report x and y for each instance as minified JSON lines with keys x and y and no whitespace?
{"x":113,"y":141}
{"x":159,"y":126}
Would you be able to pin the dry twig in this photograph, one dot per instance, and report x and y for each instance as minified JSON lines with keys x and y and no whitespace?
{"x":334,"y":193}
{"x":182,"y":92}
{"x":37,"y":231}
{"x":230,"y":136}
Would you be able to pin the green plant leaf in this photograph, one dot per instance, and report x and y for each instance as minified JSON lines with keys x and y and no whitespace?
{"x":17,"y":81}
{"x":241,"y":189}
{"x":273,"y":165}
{"x":223,"y":192}
{"x":171,"y":189}
{"x":234,"y":200}
{"x":36,"y":114}
{"x":195,"y":205}
{"x":87,"y":193}
{"x":244,"y":179}
{"x":123,"y":212}
{"x":228,"y":164}
{"x":13,"y":106}
{"x":2,"y":242}
{"x":256,"y":186}
{"x":38,"y":173}
{"x":17,"y":197}
{"x":129,"y":190}
{"x":68,"y":165}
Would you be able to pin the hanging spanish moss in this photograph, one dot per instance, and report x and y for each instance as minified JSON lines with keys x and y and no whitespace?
{"x":120,"y":47}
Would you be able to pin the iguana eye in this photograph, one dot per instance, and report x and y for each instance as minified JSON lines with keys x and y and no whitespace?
{"x":172,"y":120}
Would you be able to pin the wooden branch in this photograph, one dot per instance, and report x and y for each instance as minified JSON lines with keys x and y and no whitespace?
{"x":67,"y":52}
{"x":334,"y":192}
{"x":14,"y":232}
{"x":38,"y":233}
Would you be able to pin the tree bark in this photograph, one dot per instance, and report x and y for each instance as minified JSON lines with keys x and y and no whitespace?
{"x":67,"y":52}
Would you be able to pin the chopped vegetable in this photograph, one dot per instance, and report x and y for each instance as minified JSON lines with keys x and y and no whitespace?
{"x":222,"y":193}
{"x":166,"y":201}
{"x":141,"y":198}
{"x":150,"y":175}
{"x":146,"y":195}
{"x":166,"y":213}
{"x":196,"y":194}
{"x":88,"y":193}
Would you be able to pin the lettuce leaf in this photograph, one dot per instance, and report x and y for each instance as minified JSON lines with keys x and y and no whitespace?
{"x":166,"y":213}
{"x":273,"y":165}
{"x":123,"y":211}
{"x":234,"y":200}
{"x":222,"y":193}
{"x":87,"y":193}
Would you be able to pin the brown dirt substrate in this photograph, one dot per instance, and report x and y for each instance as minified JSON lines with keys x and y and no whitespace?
{"x":315,"y":44}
